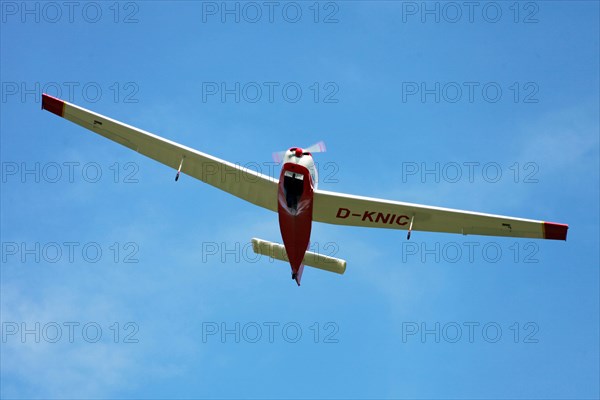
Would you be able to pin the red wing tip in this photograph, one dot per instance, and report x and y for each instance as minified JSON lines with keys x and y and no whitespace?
{"x":52,"y":104}
{"x":555,"y":231}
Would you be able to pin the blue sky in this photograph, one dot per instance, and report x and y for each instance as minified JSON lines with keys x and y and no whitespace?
{"x":491,"y":109}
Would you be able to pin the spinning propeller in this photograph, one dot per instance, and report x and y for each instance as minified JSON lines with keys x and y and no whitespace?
{"x":318,"y":147}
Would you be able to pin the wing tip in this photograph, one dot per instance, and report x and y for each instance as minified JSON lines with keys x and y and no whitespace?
{"x":555,"y":231}
{"x":52,"y":104}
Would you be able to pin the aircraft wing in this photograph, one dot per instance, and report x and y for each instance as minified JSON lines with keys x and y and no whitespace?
{"x":244,"y":183}
{"x":344,"y":209}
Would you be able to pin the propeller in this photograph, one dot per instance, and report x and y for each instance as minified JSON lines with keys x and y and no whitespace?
{"x":318,"y":147}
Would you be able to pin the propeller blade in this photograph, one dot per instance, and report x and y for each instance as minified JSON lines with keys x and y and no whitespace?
{"x":278,"y":156}
{"x":318,"y":147}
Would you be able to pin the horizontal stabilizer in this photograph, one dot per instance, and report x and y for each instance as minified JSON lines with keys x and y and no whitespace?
{"x":315,"y":260}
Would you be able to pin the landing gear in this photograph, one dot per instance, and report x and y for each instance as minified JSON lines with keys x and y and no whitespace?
{"x":294,"y":275}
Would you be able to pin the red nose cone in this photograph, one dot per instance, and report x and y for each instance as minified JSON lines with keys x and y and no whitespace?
{"x":298,"y":152}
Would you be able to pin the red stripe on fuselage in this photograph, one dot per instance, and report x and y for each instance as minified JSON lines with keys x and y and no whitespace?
{"x":295,"y":221}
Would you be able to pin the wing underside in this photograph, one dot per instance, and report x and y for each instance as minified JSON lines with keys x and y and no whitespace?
{"x":329,"y":207}
{"x":344,"y":209}
{"x":258,"y":189}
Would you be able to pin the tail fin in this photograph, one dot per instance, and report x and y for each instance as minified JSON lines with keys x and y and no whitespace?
{"x":298,"y":275}
{"x":315,"y":260}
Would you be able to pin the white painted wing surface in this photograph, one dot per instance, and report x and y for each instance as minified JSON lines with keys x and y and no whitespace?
{"x":345,"y":209}
{"x":257,"y":188}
